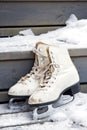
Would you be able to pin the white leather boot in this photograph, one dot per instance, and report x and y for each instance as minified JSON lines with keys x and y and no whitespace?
{"x":29,"y":83}
{"x":61,"y":75}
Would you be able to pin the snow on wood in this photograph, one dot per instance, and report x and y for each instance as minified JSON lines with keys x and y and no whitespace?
{"x":72,"y":116}
{"x":73,"y":35}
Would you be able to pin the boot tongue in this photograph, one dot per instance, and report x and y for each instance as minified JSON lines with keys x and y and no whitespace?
{"x":43,"y":59}
{"x":51,"y":56}
{"x":53,"y":59}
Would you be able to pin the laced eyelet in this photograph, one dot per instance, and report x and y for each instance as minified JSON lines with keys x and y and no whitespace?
{"x":40,"y":49}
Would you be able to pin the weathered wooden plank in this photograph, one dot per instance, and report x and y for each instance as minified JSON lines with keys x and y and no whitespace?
{"x":21,"y":55}
{"x":78,"y":52}
{"x":29,"y":55}
{"x":39,"y":13}
{"x":84,"y":88}
{"x":11,"y":71}
{"x":16,"y":69}
{"x":15,"y":118}
{"x":18,"y":64}
{"x":81,"y":65}
{"x":39,"y":0}
{"x":37,"y":30}
{"x":18,"y":119}
{"x":3,"y":96}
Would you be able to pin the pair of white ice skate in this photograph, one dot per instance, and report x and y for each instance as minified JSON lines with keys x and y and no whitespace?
{"x":53,"y":74}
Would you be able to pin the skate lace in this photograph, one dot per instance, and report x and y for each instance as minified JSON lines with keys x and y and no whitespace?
{"x":37,"y":70}
{"x":49,"y":76}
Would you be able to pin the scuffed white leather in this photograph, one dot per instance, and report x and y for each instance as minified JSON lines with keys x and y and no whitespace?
{"x":62,"y":77}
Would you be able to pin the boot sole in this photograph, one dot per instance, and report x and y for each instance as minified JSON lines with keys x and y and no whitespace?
{"x":14,"y":96}
{"x":69,"y":91}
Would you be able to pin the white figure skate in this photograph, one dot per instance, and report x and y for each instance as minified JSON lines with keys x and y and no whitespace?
{"x":29,"y":83}
{"x":61,"y":76}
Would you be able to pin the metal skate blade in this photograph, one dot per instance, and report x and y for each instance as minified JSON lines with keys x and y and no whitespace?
{"x":18,"y":104}
{"x":42,"y":112}
{"x":64,"y":99}
{"x":45,"y":111}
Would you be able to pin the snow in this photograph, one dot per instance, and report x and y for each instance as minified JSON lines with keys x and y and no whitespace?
{"x":72,"y":116}
{"x":73,"y":35}
{"x":26,"y":32}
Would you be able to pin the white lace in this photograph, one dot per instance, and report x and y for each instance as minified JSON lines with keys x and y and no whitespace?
{"x":48,"y":75}
{"x":44,"y":73}
{"x":38,"y":52}
{"x":38,"y":71}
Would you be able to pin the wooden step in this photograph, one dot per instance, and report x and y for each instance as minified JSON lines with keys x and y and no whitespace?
{"x":4,"y":94}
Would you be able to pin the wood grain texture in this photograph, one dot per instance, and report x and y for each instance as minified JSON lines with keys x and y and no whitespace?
{"x":39,"y":13}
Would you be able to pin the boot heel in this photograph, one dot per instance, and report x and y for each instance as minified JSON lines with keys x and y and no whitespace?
{"x":73,"y":90}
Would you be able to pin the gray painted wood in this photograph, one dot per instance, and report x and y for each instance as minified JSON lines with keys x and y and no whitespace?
{"x":84,"y":88}
{"x":39,"y":13}
{"x":29,"y":55}
{"x":81,"y":65}
{"x":4,"y":95}
{"x":36,"y":30}
{"x":39,"y":0}
{"x":78,"y":52}
{"x":12,"y":71}
{"x":13,"y":65}
{"x":24,"y":55}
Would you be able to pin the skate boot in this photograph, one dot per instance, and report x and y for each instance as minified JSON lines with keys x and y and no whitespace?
{"x":29,"y":83}
{"x":60,"y":76}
